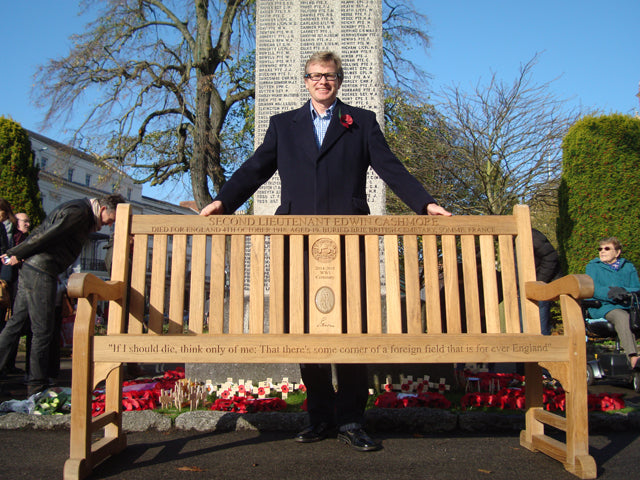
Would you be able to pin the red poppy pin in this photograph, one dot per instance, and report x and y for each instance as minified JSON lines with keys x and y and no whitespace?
{"x":346,"y":120}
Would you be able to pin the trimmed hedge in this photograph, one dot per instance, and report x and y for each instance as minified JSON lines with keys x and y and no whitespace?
{"x":599,"y":190}
{"x":18,"y":175}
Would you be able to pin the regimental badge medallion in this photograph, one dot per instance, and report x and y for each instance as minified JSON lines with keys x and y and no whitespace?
{"x":324,"y":250}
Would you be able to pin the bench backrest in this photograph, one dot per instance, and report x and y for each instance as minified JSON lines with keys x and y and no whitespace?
{"x":440,"y":275}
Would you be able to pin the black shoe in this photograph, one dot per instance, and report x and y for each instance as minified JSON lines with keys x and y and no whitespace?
{"x":358,"y":439}
{"x":314,"y":433}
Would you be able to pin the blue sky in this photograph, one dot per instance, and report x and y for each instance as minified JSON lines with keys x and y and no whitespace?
{"x":591,"y":47}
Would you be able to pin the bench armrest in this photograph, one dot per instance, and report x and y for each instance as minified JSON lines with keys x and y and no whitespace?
{"x":577,"y":286}
{"x":81,"y":285}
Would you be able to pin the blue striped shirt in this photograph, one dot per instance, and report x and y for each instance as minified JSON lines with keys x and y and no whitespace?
{"x":321,"y":122}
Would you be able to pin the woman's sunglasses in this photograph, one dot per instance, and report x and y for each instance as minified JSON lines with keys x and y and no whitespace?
{"x":606,"y":249}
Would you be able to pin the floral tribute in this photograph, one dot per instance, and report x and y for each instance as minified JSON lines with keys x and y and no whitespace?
{"x":142,"y":394}
{"x":553,"y":399}
{"x":249,"y":404}
{"x":174,"y":389}
{"x":406,"y":400}
{"x":496,"y":390}
{"x":413,"y":393}
{"x":241,"y":397}
{"x":420,"y":385}
{"x":507,"y":392}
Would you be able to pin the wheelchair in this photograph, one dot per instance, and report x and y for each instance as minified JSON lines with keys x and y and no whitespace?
{"x":606,"y":362}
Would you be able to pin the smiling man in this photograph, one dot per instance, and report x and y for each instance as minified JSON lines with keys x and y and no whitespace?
{"x":322,"y":152}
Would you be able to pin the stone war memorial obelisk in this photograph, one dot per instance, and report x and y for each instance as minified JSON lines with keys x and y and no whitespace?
{"x":288,"y":32}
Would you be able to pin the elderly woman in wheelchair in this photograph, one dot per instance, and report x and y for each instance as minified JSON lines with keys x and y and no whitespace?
{"x":615,"y":280}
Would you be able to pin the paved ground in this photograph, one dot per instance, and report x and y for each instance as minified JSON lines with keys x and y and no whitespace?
{"x":38,"y":454}
{"x":272,"y":456}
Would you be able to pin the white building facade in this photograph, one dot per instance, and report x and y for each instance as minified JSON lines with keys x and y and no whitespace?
{"x":67,"y":173}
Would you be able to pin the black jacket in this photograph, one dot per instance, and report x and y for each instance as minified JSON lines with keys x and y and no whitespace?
{"x":58,"y":241}
{"x":546,"y":258}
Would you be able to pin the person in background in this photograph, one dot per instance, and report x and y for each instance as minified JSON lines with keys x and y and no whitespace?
{"x":7,"y":227}
{"x":24,"y":225}
{"x":10,"y":274}
{"x":613,"y":278}
{"x":46,"y":253}
{"x":547,"y":269}
{"x":322,"y":152}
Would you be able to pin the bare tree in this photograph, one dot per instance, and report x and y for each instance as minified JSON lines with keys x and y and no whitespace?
{"x":164,"y":89}
{"x":504,"y":143}
{"x":404,"y":29}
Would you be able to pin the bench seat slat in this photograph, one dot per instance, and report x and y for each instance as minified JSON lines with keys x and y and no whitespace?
{"x":178,"y":280}
{"x":451,"y":284}
{"x":158,"y":281}
{"x":432,"y":284}
{"x":277,"y":286}
{"x":217,"y":284}
{"x":489,"y":280}
{"x":374,"y":307}
{"x":256,"y":292}
{"x":509,"y":284}
{"x":236,"y":285}
{"x":392,"y":277}
{"x":353,"y":286}
{"x":197,"y":284}
{"x":296,"y":284}
{"x":412,"y":284}
{"x":470,"y":284}
{"x":138,"y":280}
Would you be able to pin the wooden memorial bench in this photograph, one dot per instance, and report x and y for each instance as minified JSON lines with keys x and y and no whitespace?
{"x":471,"y":264}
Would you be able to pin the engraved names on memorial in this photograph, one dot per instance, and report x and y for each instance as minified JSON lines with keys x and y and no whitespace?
{"x":288,"y":32}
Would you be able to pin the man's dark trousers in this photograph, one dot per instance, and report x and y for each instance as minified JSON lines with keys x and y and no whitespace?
{"x":35,"y":300}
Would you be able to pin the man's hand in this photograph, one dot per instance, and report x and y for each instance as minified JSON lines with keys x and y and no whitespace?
{"x":214,"y":208}
{"x":11,"y":260}
{"x":435,"y":209}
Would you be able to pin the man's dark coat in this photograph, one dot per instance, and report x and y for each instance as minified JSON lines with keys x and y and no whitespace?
{"x":330,"y":180}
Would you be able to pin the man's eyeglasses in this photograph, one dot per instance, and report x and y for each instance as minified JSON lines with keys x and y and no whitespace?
{"x":315,"y":77}
{"x":606,"y":249}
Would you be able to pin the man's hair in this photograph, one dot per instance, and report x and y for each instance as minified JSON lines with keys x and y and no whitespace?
{"x":612,"y":240}
{"x":326,"y":57}
{"x":111,"y":201}
{"x":6,"y":207}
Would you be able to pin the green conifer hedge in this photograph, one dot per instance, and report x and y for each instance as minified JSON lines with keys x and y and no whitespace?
{"x":18,"y":175}
{"x":599,"y":192}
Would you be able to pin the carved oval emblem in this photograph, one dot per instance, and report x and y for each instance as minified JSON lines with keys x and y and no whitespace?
{"x":324,"y":250}
{"x":325,"y":300}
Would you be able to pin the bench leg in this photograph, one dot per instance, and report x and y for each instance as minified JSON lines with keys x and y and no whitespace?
{"x":77,"y":466}
{"x":574,"y":454}
{"x":578,"y":461}
{"x":534,"y":401}
{"x":83,"y":453}
{"x":113,"y":403}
